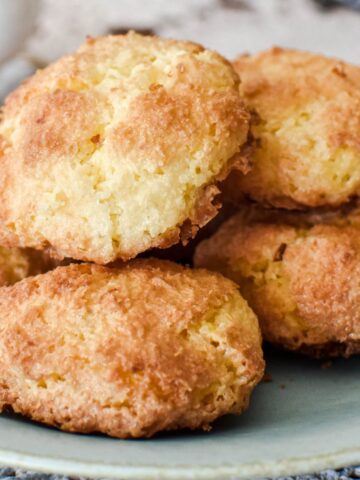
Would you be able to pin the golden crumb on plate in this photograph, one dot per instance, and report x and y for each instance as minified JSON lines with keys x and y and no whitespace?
{"x":127,"y":351}
{"x":118,"y":148}
{"x":17,"y":264}
{"x":300,"y":274}
{"x":306,"y":129}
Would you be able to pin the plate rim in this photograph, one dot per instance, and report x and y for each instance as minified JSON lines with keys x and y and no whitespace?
{"x":289,"y":466}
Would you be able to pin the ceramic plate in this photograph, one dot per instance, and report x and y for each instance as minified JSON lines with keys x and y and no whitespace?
{"x":306,"y":419}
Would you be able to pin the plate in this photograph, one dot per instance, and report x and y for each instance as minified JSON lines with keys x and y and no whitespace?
{"x":306,"y":419}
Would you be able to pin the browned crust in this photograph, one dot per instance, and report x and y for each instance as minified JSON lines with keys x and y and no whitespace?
{"x":292,"y":91}
{"x":168,"y":117}
{"x":208,"y":204}
{"x":17,"y":264}
{"x":206,"y":208}
{"x":300,"y":274}
{"x":125,"y":351}
{"x":321,"y":350}
{"x":332,"y":349}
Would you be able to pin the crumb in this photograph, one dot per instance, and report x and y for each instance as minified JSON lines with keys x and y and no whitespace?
{"x":207,"y":428}
{"x":326,"y":364}
{"x":267,"y":377}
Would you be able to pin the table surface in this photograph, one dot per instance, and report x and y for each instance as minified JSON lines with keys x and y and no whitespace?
{"x":343,"y":474}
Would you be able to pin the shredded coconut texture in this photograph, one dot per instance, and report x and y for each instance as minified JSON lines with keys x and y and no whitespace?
{"x":117,"y":148}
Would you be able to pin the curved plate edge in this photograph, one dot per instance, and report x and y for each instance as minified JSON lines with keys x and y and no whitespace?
{"x":290,"y":466}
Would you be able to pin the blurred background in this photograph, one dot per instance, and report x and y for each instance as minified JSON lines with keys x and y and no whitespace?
{"x":35,"y":32}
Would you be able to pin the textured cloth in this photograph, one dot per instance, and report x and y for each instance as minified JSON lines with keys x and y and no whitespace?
{"x":343,"y":474}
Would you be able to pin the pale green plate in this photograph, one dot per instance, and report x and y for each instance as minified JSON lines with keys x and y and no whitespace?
{"x":305,"y":420}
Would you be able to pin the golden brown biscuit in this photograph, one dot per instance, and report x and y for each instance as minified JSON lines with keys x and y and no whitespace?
{"x":117,"y":148}
{"x":17,"y":264}
{"x":300,"y":274}
{"x":306,"y":131}
{"x":128,"y":352}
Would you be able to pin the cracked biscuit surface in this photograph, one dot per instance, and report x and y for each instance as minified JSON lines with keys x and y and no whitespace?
{"x":306,"y":129}
{"x":118,"y":147}
{"x":299,"y":272}
{"x":127,"y":351}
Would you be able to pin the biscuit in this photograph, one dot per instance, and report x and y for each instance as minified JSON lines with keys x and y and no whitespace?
{"x":17,"y":264}
{"x":306,"y":130}
{"x":118,"y":148}
{"x":127,"y":351}
{"x":299,"y":273}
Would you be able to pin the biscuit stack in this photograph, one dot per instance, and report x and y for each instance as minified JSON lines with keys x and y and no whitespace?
{"x":107,"y":153}
{"x":123,"y":148}
{"x":295,"y":251}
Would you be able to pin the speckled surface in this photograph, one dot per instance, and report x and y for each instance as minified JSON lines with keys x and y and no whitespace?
{"x":343,"y":474}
